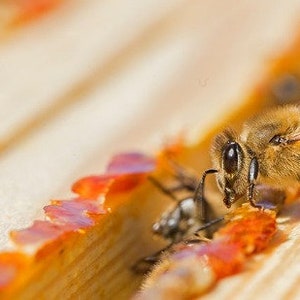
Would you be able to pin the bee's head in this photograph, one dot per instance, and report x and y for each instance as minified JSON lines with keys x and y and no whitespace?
{"x":230,"y":158}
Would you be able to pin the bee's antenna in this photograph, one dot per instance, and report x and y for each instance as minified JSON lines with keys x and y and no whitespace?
{"x":199,"y":194}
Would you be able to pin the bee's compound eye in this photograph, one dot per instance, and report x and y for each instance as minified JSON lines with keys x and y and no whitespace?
{"x":230,"y":157}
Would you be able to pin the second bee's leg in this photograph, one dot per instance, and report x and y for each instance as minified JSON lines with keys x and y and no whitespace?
{"x":208,"y":225}
{"x":252,"y":176}
{"x":187,"y":179}
{"x":169,"y":191}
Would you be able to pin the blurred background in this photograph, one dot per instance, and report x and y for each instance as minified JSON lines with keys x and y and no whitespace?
{"x":83,"y":80}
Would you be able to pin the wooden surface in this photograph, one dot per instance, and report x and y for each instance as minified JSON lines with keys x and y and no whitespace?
{"x":94,"y":78}
{"x":273,"y":274}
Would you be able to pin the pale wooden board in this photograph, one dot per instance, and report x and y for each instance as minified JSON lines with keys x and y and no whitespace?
{"x":47,"y":60}
{"x":121,"y":75}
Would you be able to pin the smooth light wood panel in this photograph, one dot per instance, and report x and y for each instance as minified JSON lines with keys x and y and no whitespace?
{"x":45,"y":64}
{"x":151,"y":71}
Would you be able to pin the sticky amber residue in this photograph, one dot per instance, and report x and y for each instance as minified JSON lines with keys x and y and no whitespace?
{"x":10,"y":264}
{"x":29,"y":9}
{"x":131,"y":163}
{"x":224,"y":258}
{"x":124,"y":172}
{"x":92,"y":187}
{"x":252,"y":231}
{"x":247,"y":231}
{"x":174,"y":147}
{"x":126,"y":183}
{"x":82,"y":205}
{"x":39,"y":232}
{"x":75,"y":212}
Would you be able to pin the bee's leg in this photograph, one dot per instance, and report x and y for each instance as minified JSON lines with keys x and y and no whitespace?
{"x":251,"y":194}
{"x":169,"y":191}
{"x":252,"y":176}
{"x":208,"y":224}
{"x":201,"y":203}
{"x":197,"y":240}
{"x":183,"y":175}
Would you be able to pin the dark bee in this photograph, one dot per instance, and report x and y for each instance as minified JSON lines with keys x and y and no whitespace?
{"x":188,"y":215}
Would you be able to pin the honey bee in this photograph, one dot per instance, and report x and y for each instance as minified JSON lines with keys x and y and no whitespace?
{"x":266,"y":152}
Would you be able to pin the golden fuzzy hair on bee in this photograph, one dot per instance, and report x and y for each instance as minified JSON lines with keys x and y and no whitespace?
{"x":269,"y":143}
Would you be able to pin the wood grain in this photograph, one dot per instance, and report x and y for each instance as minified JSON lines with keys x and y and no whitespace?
{"x":95,"y":78}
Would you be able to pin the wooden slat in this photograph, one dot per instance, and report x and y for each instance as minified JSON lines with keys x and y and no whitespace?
{"x":99,"y":77}
{"x":49,"y":62}
{"x":152,"y":83}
